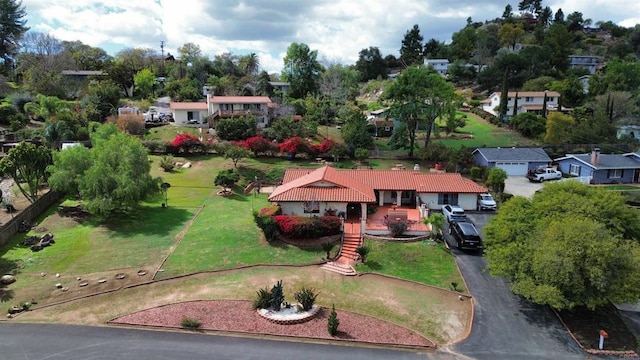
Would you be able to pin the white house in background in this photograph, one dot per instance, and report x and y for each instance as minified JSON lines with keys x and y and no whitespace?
{"x":439,"y":65}
{"x":589,"y":62}
{"x":194,"y":113}
{"x":528,"y":101}
{"x":221,"y":107}
{"x":628,"y":130}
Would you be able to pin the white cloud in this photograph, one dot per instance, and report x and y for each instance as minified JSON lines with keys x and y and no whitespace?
{"x":338,"y":29}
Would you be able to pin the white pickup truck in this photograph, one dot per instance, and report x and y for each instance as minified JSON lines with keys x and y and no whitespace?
{"x":543,"y":174}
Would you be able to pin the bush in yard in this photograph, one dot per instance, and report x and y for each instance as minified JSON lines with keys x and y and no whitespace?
{"x":167,"y":162}
{"x":277,"y":296}
{"x":267,"y":224}
{"x":270,"y":211}
{"x":294,"y":145}
{"x":476,"y":173}
{"x":236,"y":128}
{"x":260,"y":145}
{"x":190,"y":323}
{"x":263,"y":299}
{"x":361,"y":154}
{"x":307,"y":227}
{"x":227,"y":178}
{"x":333,"y":322}
{"x":363,"y":251}
{"x":187,"y":144}
{"x":397,"y":227}
{"x":306,"y":297}
{"x":323,"y":148}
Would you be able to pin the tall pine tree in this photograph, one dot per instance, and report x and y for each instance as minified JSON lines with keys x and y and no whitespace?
{"x":12,"y":27}
{"x":412,"y":52}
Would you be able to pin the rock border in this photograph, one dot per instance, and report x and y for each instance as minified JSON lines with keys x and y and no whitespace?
{"x":273,"y":316}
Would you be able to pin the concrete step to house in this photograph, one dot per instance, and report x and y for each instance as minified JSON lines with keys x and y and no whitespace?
{"x":343,"y":269}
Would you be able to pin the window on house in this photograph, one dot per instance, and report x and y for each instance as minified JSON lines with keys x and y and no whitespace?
{"x":615,"y":173}
{"x":450,"y":199}
{"x":387,"y":128}
{"x":190,"y":115}
{"x":528,"y":99}
{"x":551,"y":98}
{"x":311,"y":207}
{"x":574,"y":170}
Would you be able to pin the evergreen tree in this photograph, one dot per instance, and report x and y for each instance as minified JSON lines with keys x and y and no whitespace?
{"x":412,"y":52}
{"x":12,"y":27}
{"x":371,"y":64}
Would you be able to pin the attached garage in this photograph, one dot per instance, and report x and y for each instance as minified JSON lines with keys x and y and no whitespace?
{"x":515,"y":161}
{"x":513,"y":168}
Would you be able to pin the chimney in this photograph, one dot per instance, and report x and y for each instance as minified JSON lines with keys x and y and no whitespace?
{"x":595,"y":156}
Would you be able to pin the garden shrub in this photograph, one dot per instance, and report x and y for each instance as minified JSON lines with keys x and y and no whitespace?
{"x":266,"y":222}
{"x":272,"y":210}
{"x":277,"y":296}
{"x":479,"y":173}
{"x":187,"y":144}
{"x":333,"y":322}
{"x":190,"y":323}
{"x":167,"y":163}
{"x":306,"y":297}
{"x":154,"y":147}
{"x":263,"y":299}
{"x":308,"y":227}
{"x":397,"y":227}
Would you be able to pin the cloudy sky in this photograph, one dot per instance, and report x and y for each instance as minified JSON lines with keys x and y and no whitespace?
{"x":338,"y":29}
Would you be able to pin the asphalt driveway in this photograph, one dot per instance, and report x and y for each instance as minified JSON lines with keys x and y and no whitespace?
{"x":506,"y":326}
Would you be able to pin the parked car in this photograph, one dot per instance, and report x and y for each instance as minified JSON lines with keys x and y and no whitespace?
{"x":466,"y":235}
{"x":544,"y":174}
{"x":486,"y":202}
{"x":453,"y":213}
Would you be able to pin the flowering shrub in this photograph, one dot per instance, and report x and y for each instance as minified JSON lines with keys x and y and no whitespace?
{"x":323,"y":148}
{"x":187,"y":144}
{"x":270,"y":211}
{"x":307,"y":227}
{"x":397,"y":227}
{"x":260,"y":145}
{"x":293,"y":146}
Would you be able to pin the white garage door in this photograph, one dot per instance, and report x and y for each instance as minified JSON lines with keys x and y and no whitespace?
{"x":513,"y":168}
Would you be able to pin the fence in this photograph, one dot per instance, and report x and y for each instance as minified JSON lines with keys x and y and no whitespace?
{"x":8,"y":230}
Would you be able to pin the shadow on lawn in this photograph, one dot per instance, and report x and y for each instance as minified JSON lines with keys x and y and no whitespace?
{"x":148,"y":221}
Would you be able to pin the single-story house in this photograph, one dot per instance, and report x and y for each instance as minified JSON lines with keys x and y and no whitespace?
{"x":384,"y":128}
{"x":602,"y":168}
{"x":348,"y":192}
{"x":515,"y":161}
{"x":189,"y":112}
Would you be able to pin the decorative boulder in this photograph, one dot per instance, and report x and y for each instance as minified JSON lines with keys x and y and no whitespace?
{"x":7,"y":279}
{"x":186,"y":165}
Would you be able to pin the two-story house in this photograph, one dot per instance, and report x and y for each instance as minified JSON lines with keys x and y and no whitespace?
{"x":523,"y":101}
{"x":221,"y":107}
{"x":439,"y":65}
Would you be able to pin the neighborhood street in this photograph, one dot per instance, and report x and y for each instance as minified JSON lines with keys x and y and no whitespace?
{"x":504,"y":325}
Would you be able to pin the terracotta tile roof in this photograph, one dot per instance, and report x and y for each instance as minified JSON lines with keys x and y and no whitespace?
{"x":297,"y":184}
{"x":323,"y":184}
{"x":239,"y":99}
{"x":188,"y":106}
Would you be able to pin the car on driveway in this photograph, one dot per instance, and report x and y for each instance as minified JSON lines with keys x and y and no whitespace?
{"x":465,"y":235}
{"x":453,"y":213}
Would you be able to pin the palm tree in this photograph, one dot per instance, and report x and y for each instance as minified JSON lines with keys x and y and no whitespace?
{"x":46,"y":107}
{"x":56,"y":132}
{"x":437,"y":224}
{"x":327,"y":247}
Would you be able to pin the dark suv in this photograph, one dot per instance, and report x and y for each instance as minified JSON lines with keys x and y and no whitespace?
{"x":466,"y":235}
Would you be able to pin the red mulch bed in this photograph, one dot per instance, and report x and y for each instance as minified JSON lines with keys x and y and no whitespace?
{"x":239,"y":316}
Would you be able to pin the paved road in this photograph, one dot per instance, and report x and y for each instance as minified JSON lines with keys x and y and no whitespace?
{"x":504,"y":325}
{"x":65,"y":342}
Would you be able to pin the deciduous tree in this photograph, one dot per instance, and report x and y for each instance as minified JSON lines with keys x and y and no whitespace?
{"x":302,"y":70}
{"x":559,"y":128}
{"x":27,"y":165}
{"x":113,"y":175}
{"x":236,"y":153}
{"x":570,"y":245}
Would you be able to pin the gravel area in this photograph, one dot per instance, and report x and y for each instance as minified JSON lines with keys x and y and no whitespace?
{"x":238,"y":316}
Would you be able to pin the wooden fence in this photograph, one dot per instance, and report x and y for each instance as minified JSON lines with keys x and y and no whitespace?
{"x":8,"y":230}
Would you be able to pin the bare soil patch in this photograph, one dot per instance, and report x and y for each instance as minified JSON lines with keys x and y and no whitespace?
{"x":239,"y":316}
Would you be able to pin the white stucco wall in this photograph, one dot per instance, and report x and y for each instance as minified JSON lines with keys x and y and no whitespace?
{"x":180,"y":116}
{"x":297,"y":208}
{"x":465,"y":201}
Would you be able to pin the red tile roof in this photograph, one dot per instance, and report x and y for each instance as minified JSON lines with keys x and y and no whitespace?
{"x":239,"y":99}
{"x":323,"y":184}
{"x":298,"y":184}
{"x":188,"y":106}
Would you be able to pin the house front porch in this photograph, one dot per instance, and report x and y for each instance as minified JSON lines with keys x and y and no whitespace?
{"x":375,"y":222}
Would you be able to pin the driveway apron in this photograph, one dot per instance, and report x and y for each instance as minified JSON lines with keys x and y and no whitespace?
{"x":506,"y":326}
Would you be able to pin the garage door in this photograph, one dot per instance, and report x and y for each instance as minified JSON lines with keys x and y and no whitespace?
{"x":513,"y":168}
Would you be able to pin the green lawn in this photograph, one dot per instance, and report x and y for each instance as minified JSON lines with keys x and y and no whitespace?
{"x":484,"y":135}
{"x":423,"y":262}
